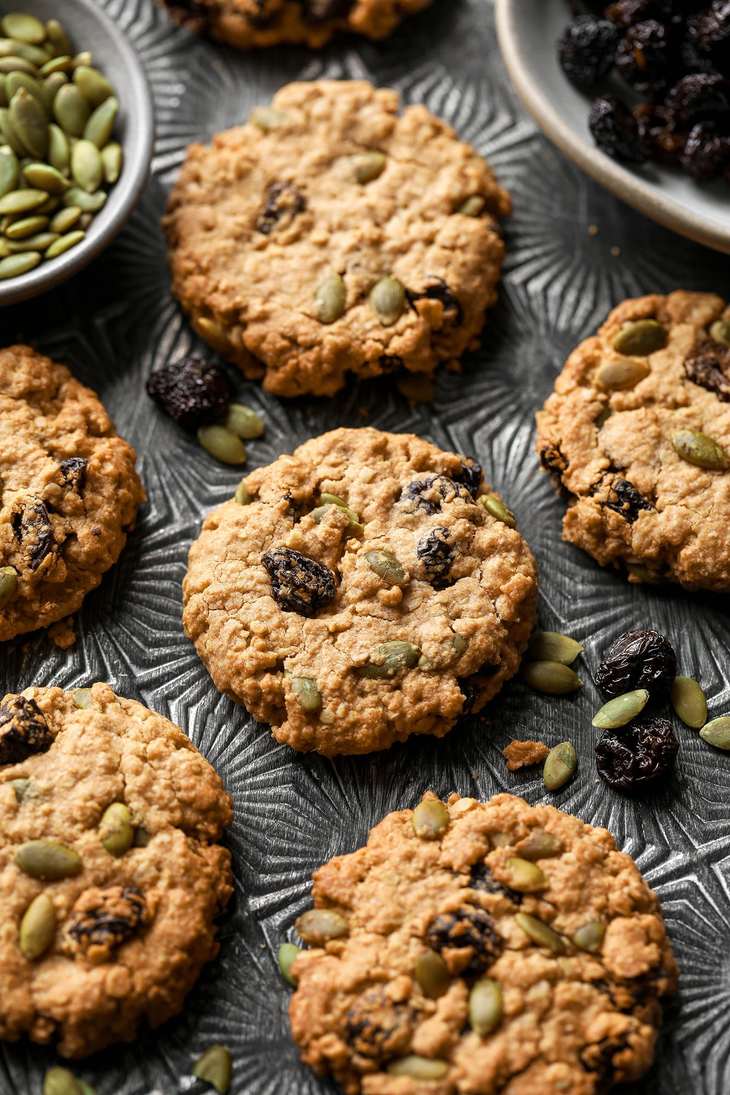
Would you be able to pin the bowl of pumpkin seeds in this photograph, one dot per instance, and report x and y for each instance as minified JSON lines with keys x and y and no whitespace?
{"x":76,"y":138}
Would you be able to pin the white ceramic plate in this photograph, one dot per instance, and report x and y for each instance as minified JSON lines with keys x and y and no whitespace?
{"x":528,"y":33}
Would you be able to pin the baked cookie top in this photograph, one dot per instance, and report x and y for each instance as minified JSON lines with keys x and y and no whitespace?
{"x":69,"y":491}
{"x":484,"y":948}
{"x":110,"y":871}
{"x":362,"y":593}
{"x":331,"y":234}
{"x":246,"y":23}
{"x":637,"y":433}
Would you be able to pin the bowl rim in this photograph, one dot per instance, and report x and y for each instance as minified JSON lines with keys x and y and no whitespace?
{"x":138,"y":158}
{"x":645,"y":196}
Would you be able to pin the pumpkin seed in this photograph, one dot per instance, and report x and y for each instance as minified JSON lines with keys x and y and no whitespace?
{"x":388,"y":300}
{"x":419,"y":1068}
{"x":215,"y":1067}
{"x":15,"y":265}
{"x":540,"y":933}
{"x":307,"y":694}
{"x":697,"y":448}
{"x":717,"y":732}
{"x":24,"y":27}
{"x":368,"y":166}
{"x":9,"y":170}
{"x":65,"y":219}
{"x":116,"y":831}
{"x":540,"y":844}
{"x":430,"y":819}
{"x":93,"y":85}
{"x":9,"y":135}
{"x":244,"y":422}
{"x":20,"y":788}
{"x":15,"y":80}
{"x":8,"y":585}
{"x":62,"y":63}
{"x":640,"y":338}
{"x":22,"y":201}
{"x":211,"y":331}
{"x":17,"y":64}
{"x":81,"y":698}
{"x":319,"y":926}
{"x":386,"y":566}
{"x":268,"y":118}
{"x":459,"y":644}
{"x":84,"y":58}
{"x":330,"y":298}
{"x":288,"y":954}
{"x":111,"y":159}
{"x":620,"y":710}
{"x":551,"y":646}
{"x":243,"y":495}
{"x":485,"y":1006}
{"x":590,"y":936}
{"x":37,"y":928}
{"x":720,"y":331}
{"x":51,"y":86}
{"x":619,"y":376}
{"x":40,"y":242}
{"x":560,"y":765}
{"x":57,"y":37}
{"x":86,"y":166}
{"x":87,"y":203}
{"x":222,"y":444}
{"x":26,"y":226}
{"x":59,"y":1081}
{"x":100,"y":125}
{"x":47,"y":859}
{"x":65,"y":243}
{"x":71,"y":110}
{"x":13,"y":47}
{"x":389,"y":659}
{"x":320,"y":512}
{"x":432,"y":974}
{"x":496,"y":508}
{"x":554,"y":678}
{"x":473,"y":206}
{"x":44,"y":177}
{"x":689,"y":703}
{"x":524,"y":876}
{"x":28,"y":119}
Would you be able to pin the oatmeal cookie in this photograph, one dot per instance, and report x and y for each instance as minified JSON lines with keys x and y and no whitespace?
{"x":110,"y":871}
{"x":68,"y":492}
{"x":482,"y":947}
{"x":637,"y":434}
{"x":331,"y":234}
{"x":361,"y":593}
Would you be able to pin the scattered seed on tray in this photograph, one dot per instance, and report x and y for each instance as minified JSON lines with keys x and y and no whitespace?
{"x":215,"y":1067}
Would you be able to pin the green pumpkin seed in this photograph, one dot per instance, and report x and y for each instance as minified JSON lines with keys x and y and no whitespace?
{"x":48,"y":859}
{"x":37,"y":928}
{"x":65,"y":219}
{"x":40,"y":242}
{"x":368,"y":166}
{"x":9,"y":135}
{"x":319,"y":926}
{"x":485,"y":1006}
{"x":71,"y":110}
{"x":222,"y":444}
{"x":551,"y":646}
{"x":473,"y":206}
{"x":28,"y":119}
{"x":244,"y":422}
{"x":524,"y":876}
{"x":698,"y":449}
{"x":430,"y":819}
{"x":717,"y":732}
{"x":540,"y":844}
{"x":388,"y":300}
{"x":720,"y":331}
{"x":307,"y":694}
{"x":689,"y":703}
{"x":17,"y":64}
{"x":12,"y":47}
{"x":215,"y":1067}
{"x":641,"y":337}
{"x":63,"y":63}
{"x":419,"y":1068}
{"x":15,"y":265}
{"x":59,"y":1081}
{"x":497,"y":509}
{"x":619,"y":376}
{"x":24,"y":27}
{"x":621,"y":710}
{"x":432,"y":974}
{"x":22,"y":201}
{"x":386,"y":566}
{"x":87,"y":203}
{"x":44,"y":177}
{"x":459,"y":644}
{"x":81,"y":698}
{"x":9,"y":170}
{"x":116,"y":831}
{"x":268,"y":118}
{"x":57,"y":37}
{"x":560,"y":765}
{"x":86,"y":166}
{"x":330,"y":298}
{"x":26,"y":226}
{"x":15,"y":80}
{"x":94,"y":87}
{"x":100,"y":125}
{"x":540,"y":933}
{"x":211,"y":331}
{"x":51,"y":86}
{"x":590,"y":936}
{"x":554,"y":678}
{"x":390,"y":659}
{"x":84,"y":58}
{"x":20,"y":788}
{"x":288,"y":954}
{"x":111,"y":159}
{"x":327,"y":505}
{"x":243,"y":496}
{"x":8,"y":585}
{"x":65,"y":243}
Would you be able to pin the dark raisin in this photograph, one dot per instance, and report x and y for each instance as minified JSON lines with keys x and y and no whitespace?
{"x":191,"y":391}
{"x":640,"y":658}
{"x":710,"y":33}
{"x":706,"y":153}
{"x":470,"y":474}
{"x":103,"y":919}
{"x":659,"y":133}
{"x":466,"y":939}
{"x":615,"y":130}
{"x":436,"y":555}
{"x":587,"y":49}
{"x":429,"y":493}
{"x":73,"y":473}
{"x":632,"y":758}
{"x":643,"y":55}
{"x":23,"y":730}
{"x":625,"y":499}
{"x":32,"y":528}
{"x":315,"y":11}
{"x":390,"y":362}
{"x":553,"y":460}
{"x":298,"y":583}
{"x":484,"y":881}
{"x":626,"y":13}
{"x":376,"y":1028}
{"x":284,"y":201}
{"x":437,"y":289}
{"x":469,"y":687}
{"x":709,"y":366}
{"x":699,"y":97}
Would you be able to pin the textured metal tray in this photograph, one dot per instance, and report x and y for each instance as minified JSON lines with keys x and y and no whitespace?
{"x":292,"y":812}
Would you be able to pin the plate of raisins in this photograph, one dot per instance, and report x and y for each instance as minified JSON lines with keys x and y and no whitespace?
{"x":637,"y":93}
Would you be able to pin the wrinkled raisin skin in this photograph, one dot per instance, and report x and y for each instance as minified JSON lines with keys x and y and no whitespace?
{"x":284,"y":201}
{"x":437,"y":289}
{"x":484,"y":881}
{"x":23,"y":730}
{"x":469,"y":929}
{"x":470,"y":474}
{"x":640,"y":658}
{"x":643,"y":55}
{"x":626,"y":500}
{"x":73,"y":473}
{"x":446,"y":489}
{"x":709,"y":366}
{"x":105,"y":919}
{"x":615,"y":130}
{"x":436,"y":555}
{"x":587,"y":49}
{"x":636,"y":756}
{"x":192,"y":391}
{"x":32,"y":528}
{"x":299,"y":584}
{"x":376,"y":1028}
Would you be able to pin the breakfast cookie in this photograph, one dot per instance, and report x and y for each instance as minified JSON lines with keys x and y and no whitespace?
{"x":637,"y":434}
{"x":360,"y":591}
{"x":68,"y":491}
{"x":482,"y":947}
{"x":247,"y":23}
{"x":110,"y":871}
{"x":331,"y":234}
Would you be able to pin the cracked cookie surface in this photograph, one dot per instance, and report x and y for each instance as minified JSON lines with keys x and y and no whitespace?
{"x":433,"y":977}
{"x":351,"y":624}
{"x":69,"y":491}
{"x":276,"y":248}
{"x":609,"y":431}
{"x":130,"y":927}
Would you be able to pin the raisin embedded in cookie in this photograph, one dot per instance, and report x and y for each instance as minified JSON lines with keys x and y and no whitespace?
{"x":247,"y":23}
{"x":637,"y":433}
{"x":111,"y":873}
{"x":507,"y":948}
{"x":68,"y":492}
{"x":362,"y":593}
{"x":331,"y":235}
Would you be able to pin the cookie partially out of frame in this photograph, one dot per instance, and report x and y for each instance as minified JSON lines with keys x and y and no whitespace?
{"x":111,"y":874}
{"x":481,"y":948}
{"x":637,"y":434}
{"x":332,"y":234}
{"x":361,"y":594}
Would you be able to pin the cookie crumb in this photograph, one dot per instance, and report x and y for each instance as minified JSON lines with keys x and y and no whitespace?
{"x":615,"y":251}
{"x":524,"y":754}
{"x":593,"y":230}
{"x":62,"y":634}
